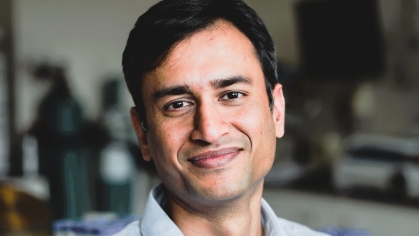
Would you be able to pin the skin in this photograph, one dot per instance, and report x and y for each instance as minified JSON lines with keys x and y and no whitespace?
{"x":210,"y":131}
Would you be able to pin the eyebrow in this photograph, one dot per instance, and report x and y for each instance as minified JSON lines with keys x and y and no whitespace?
{"x":184,"y":89}
{"x":222,"y":83}
{"x":172,"y":90}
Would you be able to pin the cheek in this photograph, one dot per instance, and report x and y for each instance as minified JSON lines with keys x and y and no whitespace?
{"x":163,"y":152}
{"x":163,"y":145}
{"x":256,"y":121}
{"x":258,"y":125}
{"x":166,"y":139}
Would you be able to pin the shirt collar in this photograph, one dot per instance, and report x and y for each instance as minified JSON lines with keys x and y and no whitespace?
{"x":269,"y":220}
{"x":156,"y":222}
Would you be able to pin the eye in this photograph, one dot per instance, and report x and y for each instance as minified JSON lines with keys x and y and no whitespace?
{"x":232,"y":95}
{"x":177,"y":105}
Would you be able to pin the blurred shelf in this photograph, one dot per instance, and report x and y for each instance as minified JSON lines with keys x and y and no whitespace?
{"x":312,"y":201}
{"x":319,"y":181}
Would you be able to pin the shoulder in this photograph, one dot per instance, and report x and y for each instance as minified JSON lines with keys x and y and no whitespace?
{"x":275,"y":225}
{"x":132,"y":229}
{"x":296,"y":229}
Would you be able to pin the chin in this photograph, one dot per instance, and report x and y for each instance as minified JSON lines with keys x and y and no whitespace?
{"x":223,"y":190}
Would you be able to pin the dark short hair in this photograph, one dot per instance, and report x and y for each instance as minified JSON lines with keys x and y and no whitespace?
{"x":165,"y":24}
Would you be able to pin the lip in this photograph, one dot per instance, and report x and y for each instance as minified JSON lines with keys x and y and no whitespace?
{"x":214,"y":159}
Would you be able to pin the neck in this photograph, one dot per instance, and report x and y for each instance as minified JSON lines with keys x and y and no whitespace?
{"x":241,"y":216}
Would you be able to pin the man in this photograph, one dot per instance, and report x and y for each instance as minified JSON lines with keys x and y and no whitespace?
{"x":203,"y":77}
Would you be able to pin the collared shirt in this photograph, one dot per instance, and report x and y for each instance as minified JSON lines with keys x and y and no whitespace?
{"x":157,"y":223}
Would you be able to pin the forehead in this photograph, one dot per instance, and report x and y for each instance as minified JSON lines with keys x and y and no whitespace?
{"x":216,"y":52}
{"x":221,"y":35}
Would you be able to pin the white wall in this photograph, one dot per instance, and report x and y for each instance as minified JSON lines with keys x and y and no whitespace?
{"x":279,"y":18}
{"x":88,"y":35}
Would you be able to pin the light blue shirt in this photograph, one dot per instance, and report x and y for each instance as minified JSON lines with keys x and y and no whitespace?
{"x":157,"y":223}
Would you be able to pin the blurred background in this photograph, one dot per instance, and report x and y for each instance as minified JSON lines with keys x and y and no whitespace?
{"x":69,"y":161}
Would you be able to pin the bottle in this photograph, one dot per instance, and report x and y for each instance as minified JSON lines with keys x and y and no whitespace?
{"x":32,"y":182}
{"x":116,"y":163}
{"x":63,"y":159}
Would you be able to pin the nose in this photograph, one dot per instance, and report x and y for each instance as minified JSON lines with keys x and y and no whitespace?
{"x":209,"y":124}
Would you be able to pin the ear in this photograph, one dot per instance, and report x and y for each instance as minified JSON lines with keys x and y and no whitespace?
{"x":141,"y":134}
{"x":278,"y":111}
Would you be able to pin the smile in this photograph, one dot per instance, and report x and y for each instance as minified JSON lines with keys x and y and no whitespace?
{"x":215,"y":159}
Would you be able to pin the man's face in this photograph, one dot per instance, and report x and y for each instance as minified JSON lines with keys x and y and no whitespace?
{"x":210,"y":131}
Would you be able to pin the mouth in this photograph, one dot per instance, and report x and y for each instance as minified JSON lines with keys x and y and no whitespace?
{"x":215,"y":159}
